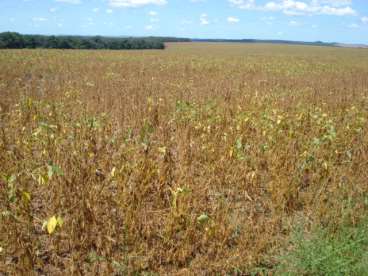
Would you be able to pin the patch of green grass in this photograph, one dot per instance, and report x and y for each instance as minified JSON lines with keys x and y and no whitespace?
{"x":321,"y":252}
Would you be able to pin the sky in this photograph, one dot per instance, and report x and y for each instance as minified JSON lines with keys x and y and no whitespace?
{"x":344,"y":21}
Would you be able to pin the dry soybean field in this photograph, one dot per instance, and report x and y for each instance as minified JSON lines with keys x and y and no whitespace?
{"x":200,"y":159}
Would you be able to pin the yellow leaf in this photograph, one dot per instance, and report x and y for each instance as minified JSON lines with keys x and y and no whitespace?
{"x":26,"y":196}
{"x":113,"y":171}
{"x":41,"y":180}
{"x":51,"y":224}
{"x":44,"y":225}
{"x":162,"y":150}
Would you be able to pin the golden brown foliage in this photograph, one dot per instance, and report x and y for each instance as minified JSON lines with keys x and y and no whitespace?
{"x":196,"y":159}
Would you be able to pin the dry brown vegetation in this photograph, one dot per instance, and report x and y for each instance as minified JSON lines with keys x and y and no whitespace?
{"x":197,"y":159}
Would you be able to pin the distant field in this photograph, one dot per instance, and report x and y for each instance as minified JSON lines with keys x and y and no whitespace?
{"x":199,"y":159}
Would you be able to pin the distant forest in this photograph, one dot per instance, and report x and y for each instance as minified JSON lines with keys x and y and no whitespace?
{"x":12,"y":40}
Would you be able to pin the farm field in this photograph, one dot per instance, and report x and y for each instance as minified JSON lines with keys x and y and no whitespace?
{"x":207,"y":159}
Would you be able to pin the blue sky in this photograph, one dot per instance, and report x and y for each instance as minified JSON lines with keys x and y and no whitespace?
{"x":309,"y":20}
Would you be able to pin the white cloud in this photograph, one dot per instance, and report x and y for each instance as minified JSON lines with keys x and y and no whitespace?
{"x":39,"y":19}
{"x":135,"y":3}
{"x":300,"y":7}
{"x":353,"y":26}
{"x":96,"y":10}
{"x":148,"y":27}
{"x":186,"y":22}
{"x":337,"y":11}
{"x":244,"y":4}
{"x":268,"y":19}
{"x":52,"y":9}
{"x":204,"y":19}
{"x":334,"y":3}
{"x":109,"y":11}
{"x":153,"y":17}
{"x":232,"y":19}
{"x":89,"y":22}
{"x":294,"y":23}
{"x":69,"y":1}
{"x":365,"y":19}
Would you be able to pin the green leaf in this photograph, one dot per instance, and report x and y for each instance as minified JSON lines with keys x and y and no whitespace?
{"x":238,"y":144}
{"x":203,"y":218}
{"x":60,"y":221}
{"x":12,"y":178}
{"x":53,"y":170}
{"x":50,"y":172}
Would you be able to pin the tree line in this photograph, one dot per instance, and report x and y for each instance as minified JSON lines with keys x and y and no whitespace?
{"x":13,"y":40}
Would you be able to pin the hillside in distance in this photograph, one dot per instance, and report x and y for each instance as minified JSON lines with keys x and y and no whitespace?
{"x":279,"y":41}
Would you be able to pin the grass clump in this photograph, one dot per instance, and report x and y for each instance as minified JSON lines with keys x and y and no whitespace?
{"x":344,"y":252}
